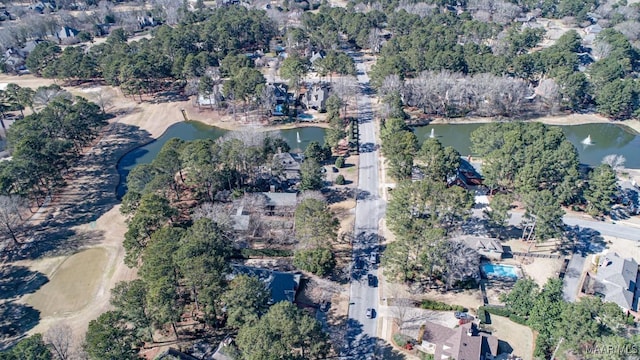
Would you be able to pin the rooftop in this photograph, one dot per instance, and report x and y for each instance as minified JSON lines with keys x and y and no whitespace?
{"x":281,"y":199}
{"x":283,"y":285}
{"x":461,"y":343}
{"x":617,"y":277}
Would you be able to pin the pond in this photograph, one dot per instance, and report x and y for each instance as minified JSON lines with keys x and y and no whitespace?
{"x":605,"y":139}
{"x":298,"y":139}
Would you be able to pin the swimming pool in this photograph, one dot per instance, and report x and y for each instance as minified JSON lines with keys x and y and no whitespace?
{"x":499,"y":271}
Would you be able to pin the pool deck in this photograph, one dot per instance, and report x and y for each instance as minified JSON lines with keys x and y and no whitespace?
{"x":515,"y":273}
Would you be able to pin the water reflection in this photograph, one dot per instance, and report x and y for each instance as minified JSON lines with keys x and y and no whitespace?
{"x":193,"y":130}
{"x":605,"y":139}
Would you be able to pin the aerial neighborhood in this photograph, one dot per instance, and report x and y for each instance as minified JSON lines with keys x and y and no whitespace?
{"x":307,"y":179}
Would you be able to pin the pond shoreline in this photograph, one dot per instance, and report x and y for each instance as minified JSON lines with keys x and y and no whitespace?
{"x":632,"y":126}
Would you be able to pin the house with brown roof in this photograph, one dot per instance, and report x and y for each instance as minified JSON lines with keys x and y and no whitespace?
{"x":462,"y":343}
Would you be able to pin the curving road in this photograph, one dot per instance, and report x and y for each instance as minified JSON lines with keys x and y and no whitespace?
{"x":361,"y":330}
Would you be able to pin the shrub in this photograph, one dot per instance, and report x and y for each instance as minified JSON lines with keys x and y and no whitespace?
{"x":483,"y":315}
{"x":318,"y":261}
{"x":340,"y":180}
{"x":518,"y":319}
{"x":247,"y":253}
{"x":425,"y":356}
{"x":339,"y":162}
{"x":440,"y":306}
{"x":401,"y":340}
{"x":631,"y":320}
{"x":498,"y":311}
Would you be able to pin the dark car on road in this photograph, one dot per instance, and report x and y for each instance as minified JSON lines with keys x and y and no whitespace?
{"x":372,"y":280}
{"x":371,"y":313}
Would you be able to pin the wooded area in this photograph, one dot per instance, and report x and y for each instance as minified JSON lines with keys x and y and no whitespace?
{"x":574,"y":327}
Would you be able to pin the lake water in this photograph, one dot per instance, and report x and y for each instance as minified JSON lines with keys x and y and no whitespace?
{"x":193,"y":130}
{"x":606,"y":139}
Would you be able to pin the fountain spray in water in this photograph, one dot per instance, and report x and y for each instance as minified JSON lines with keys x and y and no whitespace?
{"x":298,"y":136}
{"x":432,"y":135}
{"x":587,"y":140}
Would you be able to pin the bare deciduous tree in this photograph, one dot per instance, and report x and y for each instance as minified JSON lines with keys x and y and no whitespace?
{"x":401,"y":311}
{"x":630,"y":29}
{"x":549,"y":96}
{"x":60,"y":338}
{"x":391,"y":84}
{"x":600,"y":50}
{"x":11,"y":216}
{"x":217,"y":212}
{"x":311,"y":194}
{"x":420,"y":9}
{"x":505,"y":12}
{"x":374,"y":40}
{"x":345,"y":87}
{"x":462,"y":263}
{"x":248,"y":136}
{"x":103,"y":97}
{"x":45,"y":94}
{"x":615,"y":161}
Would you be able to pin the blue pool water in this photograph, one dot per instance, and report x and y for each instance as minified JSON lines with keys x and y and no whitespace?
{"x":499,"y":271}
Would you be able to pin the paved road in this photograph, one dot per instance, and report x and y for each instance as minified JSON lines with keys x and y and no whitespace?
{"x":619,"y":230}
{"x":362,"y":331}
{"x":587,"y":234}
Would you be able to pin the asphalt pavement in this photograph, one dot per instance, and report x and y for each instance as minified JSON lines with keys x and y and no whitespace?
{"x":619,"y":229}
{"x":362,"y":330}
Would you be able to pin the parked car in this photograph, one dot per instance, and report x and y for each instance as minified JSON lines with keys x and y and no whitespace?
{"x":372,"y":280}
{"x":370,"y":313}
{"x":373,"y":258}
{"x":463,"y":315}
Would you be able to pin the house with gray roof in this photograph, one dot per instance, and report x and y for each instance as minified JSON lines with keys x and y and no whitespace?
{"x":280,"y":203}
{"x":66,"y":33}
{"x":616,"y":280}
{"x":287,"y":166}
{"x":462,"y":343}
{"x":241,"y":220}
{"x":282,"y":285}
{"x":316,"y":97}
{"x":485,"y":246}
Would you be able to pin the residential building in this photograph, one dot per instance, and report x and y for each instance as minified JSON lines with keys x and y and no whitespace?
{"x":466,"y":176}
{"x":287,"y":166}
{"x":490,"y":248}
{"x":66,"y":33}
{"x":241,"y":221}
{"x":616,"y":280}
{"x":316,"y":55}
{"x":280,"y":204}
{"x":316,"y":97}
{"x":282,"y":285}
{"x":282,"y":98}
{"x":462,"y":343}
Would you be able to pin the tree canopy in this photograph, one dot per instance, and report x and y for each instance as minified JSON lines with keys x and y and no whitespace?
{"x":283,"y":332}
